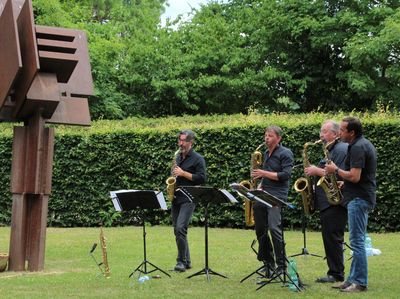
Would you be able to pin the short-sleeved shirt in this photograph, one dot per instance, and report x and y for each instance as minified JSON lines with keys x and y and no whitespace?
{"x":196,"y":165}
{"x":281,"y":162}
{"x":361,"y":154}
{"x":337,"y":154}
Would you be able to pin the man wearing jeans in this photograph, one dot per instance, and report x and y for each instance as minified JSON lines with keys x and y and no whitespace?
{"x":190,"y":169}
{"x":360,"y":191}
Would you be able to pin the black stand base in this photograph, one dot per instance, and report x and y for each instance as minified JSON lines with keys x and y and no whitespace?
{"x":304,"y":251}
{"x":207,"y":272}
{"x":142,"y":269}
{"x":258,"y":271}
{"x":281,"y":275}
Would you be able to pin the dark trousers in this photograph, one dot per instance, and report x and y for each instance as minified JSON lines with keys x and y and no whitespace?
{"x":181,"y":216}
{"x":269,"y":219}
{"x":333,"y":222}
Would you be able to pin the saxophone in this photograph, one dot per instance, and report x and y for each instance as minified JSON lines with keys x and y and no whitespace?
{"x":328,"y":182}
{"x":106,"y":271}
{"x":255,"y":163}
{"x":171,"y":181}
{"x":304,"y":185}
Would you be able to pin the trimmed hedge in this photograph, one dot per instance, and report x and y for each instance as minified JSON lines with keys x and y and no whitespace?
{"x":137,"y":153}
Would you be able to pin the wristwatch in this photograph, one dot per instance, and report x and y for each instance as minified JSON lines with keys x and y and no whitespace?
{"x":337,"y":171}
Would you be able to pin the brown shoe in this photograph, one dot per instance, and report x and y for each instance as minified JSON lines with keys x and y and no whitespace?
{"x":354,"y":288}
{"x":341,"y":285}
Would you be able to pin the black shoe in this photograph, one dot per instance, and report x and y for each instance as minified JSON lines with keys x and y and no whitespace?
{"x":180,"y":267}
{"x":354,"y":288}
{"x":342,"y":285}
{"x":328,"y":278}
{"x":188,"y":266}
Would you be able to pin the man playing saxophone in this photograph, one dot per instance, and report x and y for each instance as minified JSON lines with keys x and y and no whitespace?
{"x":275,"y":174}
{"x":333,"y":216}
{"x":190,"y":169}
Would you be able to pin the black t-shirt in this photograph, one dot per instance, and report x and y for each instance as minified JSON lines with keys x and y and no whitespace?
{"x":361,"y":154}
{"x":281,"y":162}
{"x":196,"y":165}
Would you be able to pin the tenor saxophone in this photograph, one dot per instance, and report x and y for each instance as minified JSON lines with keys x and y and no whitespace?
{"x":304,"y":185}
{"x":171,"y":181}
{"x":106,"y":272}
{"x":256,"y":161}
{"x":328,"y":182}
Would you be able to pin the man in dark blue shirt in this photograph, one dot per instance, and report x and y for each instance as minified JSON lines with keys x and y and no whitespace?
{"x":333,"y":217}
{"x":359,"y":191}
{"x":190,"y":170}
{"x":275,"y":174}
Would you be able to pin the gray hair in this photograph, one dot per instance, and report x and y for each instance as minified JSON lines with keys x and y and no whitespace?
{"x":335,"y":128}
{"x":190,"y":136}
{"x":277,"y":130}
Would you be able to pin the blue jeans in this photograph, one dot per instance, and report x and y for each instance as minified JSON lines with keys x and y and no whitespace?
{"x":358,"y":210}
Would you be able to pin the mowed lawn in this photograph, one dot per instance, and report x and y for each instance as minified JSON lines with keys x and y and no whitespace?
{"x":70,"y":271}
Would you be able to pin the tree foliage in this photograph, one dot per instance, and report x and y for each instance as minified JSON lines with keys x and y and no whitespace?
{"x":237,"y":56}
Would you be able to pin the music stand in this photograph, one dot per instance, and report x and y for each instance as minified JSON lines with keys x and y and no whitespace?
{"x":270,"y":201}
{"x":245,"y":193}
{"x":304,"y":250}
{"x":127,"y":200}
{"x":207,"y":195}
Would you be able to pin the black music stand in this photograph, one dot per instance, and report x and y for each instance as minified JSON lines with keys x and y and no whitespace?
{"x":127,"y":200}
{"x":270,"y":201}
{"x":246,"y":194}
{"x":207,"y":195}
{"x":304,"y":250}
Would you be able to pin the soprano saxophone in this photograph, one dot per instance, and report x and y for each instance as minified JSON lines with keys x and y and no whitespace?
{"x":106,"y":271}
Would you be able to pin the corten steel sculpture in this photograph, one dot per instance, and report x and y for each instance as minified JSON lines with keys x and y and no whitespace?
{"x":45,"y":77}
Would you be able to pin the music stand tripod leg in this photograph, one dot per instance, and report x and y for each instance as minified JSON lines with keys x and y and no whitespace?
{"x":142,"y":268}
{"x":206,"y":270}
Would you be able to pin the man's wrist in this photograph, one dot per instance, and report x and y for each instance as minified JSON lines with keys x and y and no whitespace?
{"x":337,"y":170}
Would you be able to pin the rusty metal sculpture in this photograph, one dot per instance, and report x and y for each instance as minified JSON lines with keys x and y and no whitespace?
{"x":45,"y":77}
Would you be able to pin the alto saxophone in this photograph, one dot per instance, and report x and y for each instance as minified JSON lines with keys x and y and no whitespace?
{"x":255,"y":163}
{"x":328,"y":182}
{"x":171,"y":181}
{"x":106,"y":271}
{"x":304,"y":185}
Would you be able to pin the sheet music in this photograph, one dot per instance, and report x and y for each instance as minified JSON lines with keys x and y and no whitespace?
{"x":115,"y":201}
{"x":161,"y":200}
{"x":228,"y":195}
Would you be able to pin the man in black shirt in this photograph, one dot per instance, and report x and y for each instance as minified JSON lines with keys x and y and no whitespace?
{"x":333,"y":217}
{"x":275,"y":174}
{"x":359,"y":191}
{"x":190,"y":170}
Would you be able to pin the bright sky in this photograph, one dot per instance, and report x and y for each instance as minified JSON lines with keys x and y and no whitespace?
{"x":177,"y":7}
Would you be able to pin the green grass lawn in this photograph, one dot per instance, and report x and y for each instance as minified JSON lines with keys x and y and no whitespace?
{"x":70,"y":272}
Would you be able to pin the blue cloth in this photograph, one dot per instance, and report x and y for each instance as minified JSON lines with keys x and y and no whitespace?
{"x":358,"y":210}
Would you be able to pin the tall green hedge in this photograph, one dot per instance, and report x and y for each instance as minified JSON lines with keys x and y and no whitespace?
{"x":137,"y":154}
